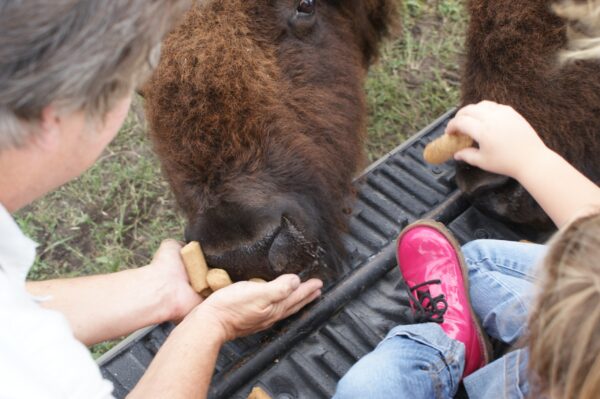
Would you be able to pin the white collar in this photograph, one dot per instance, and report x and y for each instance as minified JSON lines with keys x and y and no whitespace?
{"x":17,"y":251}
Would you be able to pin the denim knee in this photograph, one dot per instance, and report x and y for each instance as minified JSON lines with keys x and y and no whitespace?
{"x":364,"y":379}
{"x":415,"y":361}
{"x":517,"y":259}
{"x":500,"y":284}
{"x":475,"y":251}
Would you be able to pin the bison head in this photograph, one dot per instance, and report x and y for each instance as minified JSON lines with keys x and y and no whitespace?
{"x":257,"y":114}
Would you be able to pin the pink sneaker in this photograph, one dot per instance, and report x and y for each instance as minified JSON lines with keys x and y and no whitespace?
{"x":433,"y":268}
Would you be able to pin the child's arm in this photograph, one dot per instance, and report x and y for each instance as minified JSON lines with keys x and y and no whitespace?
{"x":508,"y":145}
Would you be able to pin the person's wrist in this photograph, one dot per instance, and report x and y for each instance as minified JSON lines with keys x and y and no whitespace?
{"x":165,"y":294}
{"x":208,"y":317}
{"x":539,"y":160}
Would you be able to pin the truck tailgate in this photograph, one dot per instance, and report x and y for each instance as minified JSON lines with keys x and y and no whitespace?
{"x":305,"y":355}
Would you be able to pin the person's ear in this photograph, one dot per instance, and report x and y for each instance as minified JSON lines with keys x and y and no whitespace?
{"x":49,"y":134}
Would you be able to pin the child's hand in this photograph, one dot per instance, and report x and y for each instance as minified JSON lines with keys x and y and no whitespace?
{"x":507,"y":142}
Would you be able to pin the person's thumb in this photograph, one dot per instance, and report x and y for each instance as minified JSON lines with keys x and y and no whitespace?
{"x":469,"y":155}
{"x":168,"y":247}
{"x":282,"y":287}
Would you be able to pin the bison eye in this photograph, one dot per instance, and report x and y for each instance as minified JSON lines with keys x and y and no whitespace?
{"x":306,"y":7}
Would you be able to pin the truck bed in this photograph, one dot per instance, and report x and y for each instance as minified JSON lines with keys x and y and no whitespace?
{"x":304,"y":356}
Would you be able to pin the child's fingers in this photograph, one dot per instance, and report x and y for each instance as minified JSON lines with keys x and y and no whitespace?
{"x":467,"y":110}
{"x":475,"y":110}
{"x":465,"y":125}
{"x":470,"y":155}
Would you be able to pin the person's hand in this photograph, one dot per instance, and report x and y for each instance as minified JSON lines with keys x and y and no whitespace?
{"x":167,"y":267}
{"x":247,"y":307}
{"x":507,"y":142}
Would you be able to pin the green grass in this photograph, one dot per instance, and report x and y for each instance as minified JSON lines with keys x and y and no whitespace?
{"x":115,"y":215}
{"x":417,"y":78}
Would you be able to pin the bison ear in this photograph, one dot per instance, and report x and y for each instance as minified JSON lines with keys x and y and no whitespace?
{"x":378,"y":20}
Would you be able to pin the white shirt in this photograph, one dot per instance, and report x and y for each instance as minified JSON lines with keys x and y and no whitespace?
{"x":39,"y":355}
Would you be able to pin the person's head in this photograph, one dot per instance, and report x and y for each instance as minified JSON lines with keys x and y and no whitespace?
{"x":564,"y":326}
{"x":69,"y":67}
{"x":583,"y":30}
{"x":564,"y":336}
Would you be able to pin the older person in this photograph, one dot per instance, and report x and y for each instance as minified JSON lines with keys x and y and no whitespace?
{"x":68,"y":69}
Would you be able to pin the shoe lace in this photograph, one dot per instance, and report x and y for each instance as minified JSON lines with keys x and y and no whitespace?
{"x":427,"y":308}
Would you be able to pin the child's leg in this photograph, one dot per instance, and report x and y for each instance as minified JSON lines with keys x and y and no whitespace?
{"x":501,"y":276}
{"x":416,"y":361}
{"x":505,"y":377}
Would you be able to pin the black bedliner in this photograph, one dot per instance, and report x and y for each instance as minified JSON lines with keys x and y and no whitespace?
{"x":305,"y":355}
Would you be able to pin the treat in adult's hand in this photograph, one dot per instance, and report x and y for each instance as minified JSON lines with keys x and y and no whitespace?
{"x":217,"y":279}
{"x":205,"y":281}
{"x":257,"y":280}
{"x":444,"y":147}
{"x":195,"y":265}
{"x":258,"y":393}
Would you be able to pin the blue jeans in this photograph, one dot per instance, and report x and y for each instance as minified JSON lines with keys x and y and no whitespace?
{"x":421,"y":361}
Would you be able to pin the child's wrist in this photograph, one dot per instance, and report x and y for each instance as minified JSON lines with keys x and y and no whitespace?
{"x":537,"y":165}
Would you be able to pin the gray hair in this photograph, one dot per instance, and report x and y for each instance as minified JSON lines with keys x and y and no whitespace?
{"x":74,"y":54}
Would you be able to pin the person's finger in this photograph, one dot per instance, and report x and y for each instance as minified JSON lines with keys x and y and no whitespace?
{"x":299,"y":296}
{"x":471,"y":155}
{"x":281,"y":288}
{"x":303,"y":295}
{"x":488,"y":105}
{"x":470,"y":109}
{"x":296,"y":307}
{"x":312,"y":284}
{"x":465,"y":125}
{"x":168,"y":246}
{"x":304,"y":290}
{"x":475,"y":110}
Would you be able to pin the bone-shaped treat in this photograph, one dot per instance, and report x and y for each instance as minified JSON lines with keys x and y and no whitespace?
{"x":203,"y":279}
{"x":444,"y":147}
{"x":258,"y":393}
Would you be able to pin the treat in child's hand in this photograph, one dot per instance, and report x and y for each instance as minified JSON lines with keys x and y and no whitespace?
{"x":217,"y":279}
{"x":443,"y":148}
{"x":258,"y":393}
{"x":195,"y":265}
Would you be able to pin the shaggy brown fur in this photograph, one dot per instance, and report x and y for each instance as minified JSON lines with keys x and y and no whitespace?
{"x":257,"y":113}
{"x":512,"y":59}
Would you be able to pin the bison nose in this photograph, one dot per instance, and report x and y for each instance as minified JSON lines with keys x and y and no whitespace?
{"x":253,"y":244}
{"x":287,"y":249}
